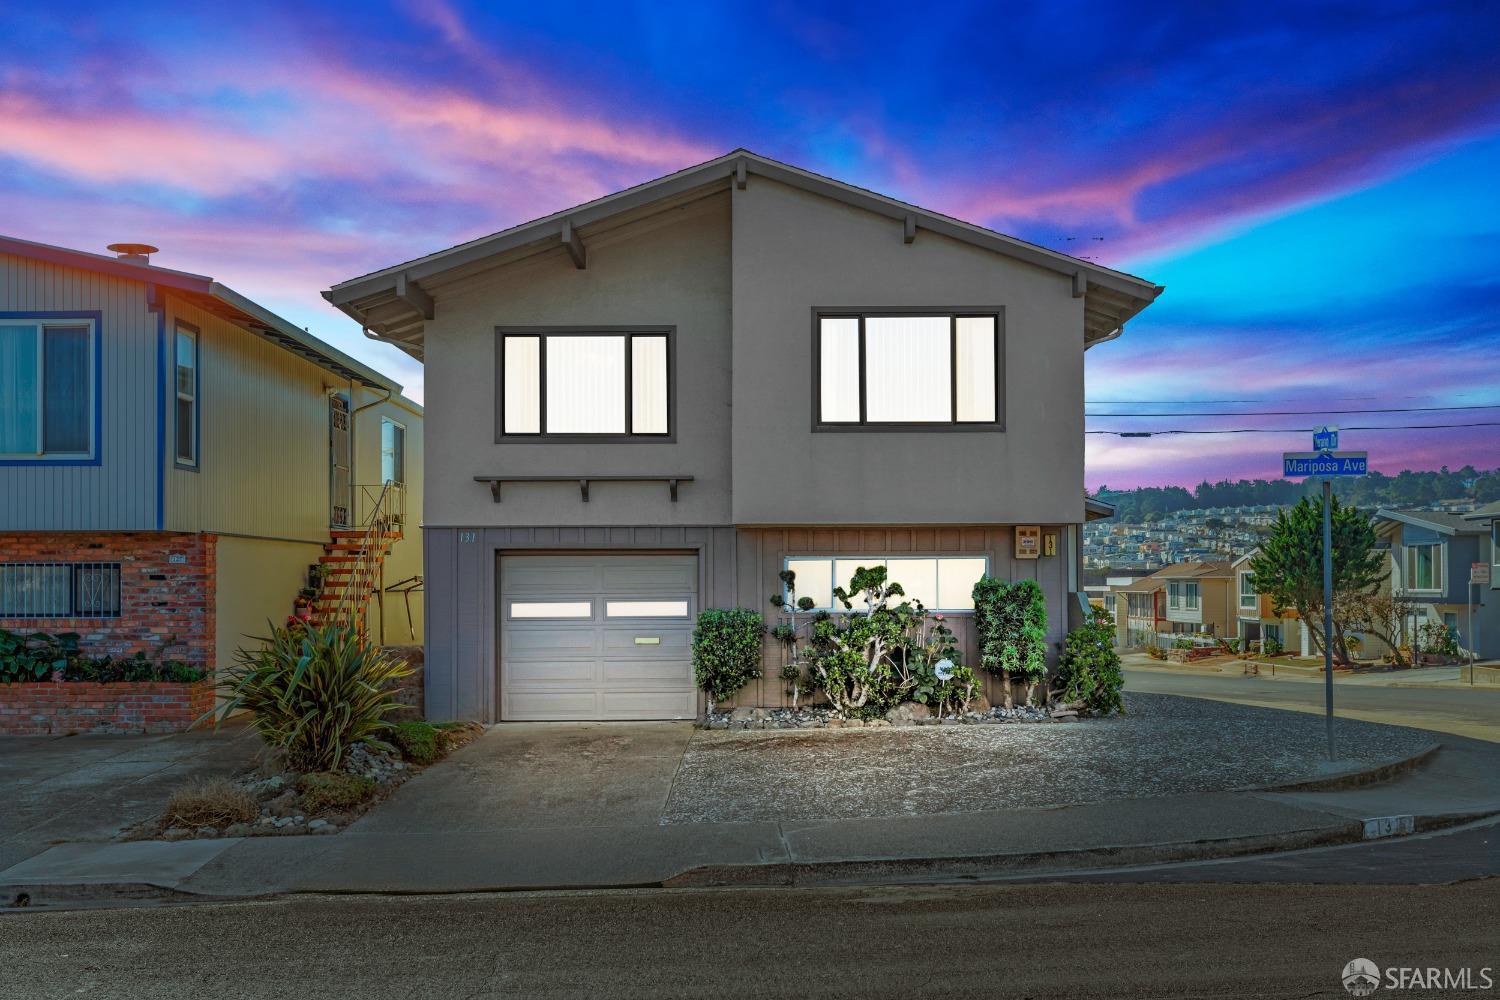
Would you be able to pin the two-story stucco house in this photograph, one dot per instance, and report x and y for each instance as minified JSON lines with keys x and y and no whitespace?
{"x":174,"y":458}
{"x":658,"y":401}
{"x":1432,"y":553}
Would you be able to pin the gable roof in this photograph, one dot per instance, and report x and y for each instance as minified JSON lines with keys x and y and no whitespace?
{"x":1195,"y":571}
{"x":392,"y":306}
{"x":1489,"y":511}
{"x":1441,"y":522}
{"x":208,"y":294}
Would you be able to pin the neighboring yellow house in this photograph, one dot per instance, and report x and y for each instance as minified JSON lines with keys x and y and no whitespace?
{"x":174,"y":458}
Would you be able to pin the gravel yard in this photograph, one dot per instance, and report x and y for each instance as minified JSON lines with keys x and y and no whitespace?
{"x":1163,"y":746}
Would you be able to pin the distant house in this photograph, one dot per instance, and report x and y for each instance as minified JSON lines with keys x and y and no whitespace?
{"x":1256,"y":619}
{"x":1145,"y":612}
{"x":1188,"y":598}
{"x":1431,"y":556}
{"x":174,"y":458}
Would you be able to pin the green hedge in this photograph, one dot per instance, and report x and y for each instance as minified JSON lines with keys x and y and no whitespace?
{"x":727,"y":651}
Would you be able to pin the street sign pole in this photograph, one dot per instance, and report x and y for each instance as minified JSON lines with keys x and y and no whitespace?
{"x":1328,"y":613}
{"x":1324,"y":461}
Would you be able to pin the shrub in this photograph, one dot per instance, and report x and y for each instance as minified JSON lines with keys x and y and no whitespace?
{"x":1233,"y":645}
{"x":324,"y":790}
{"x":417,"y":741}
{"x":1435,"y":638}
{"x":1011,"y":622}
{"x":1088,"y":671}
{"x":1271,"y":646}
{"x":726,"y":651}
{"x":34,"y":656}
{"x":210,"y":802}
{"x":313,"y":693}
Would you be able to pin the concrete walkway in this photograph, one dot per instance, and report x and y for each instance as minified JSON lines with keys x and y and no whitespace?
{"x":550,"y":812}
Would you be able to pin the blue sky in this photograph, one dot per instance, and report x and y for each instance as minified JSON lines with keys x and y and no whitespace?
{"x":1313,"y":184}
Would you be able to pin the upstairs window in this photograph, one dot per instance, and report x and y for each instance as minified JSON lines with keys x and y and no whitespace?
{"x":1183,"y":596}
{"x":908,"y":370}
{"x":47,"y":389}
{"x":1248,"y":593}
{"x":585,"y":384}
{"x":392,"y":451}
{"x":1424,"y":567}
{"x":186,"y":414}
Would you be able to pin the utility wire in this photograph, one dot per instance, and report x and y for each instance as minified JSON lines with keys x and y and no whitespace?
{"x":1301,"y":413}
{"x":1293,"y":430}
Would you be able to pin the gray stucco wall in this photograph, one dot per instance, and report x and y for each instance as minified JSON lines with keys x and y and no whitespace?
{"x":794,"y":251}
{"x":670,"y":273}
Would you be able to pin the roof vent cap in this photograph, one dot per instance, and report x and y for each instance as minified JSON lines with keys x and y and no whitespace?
{"x":136,"y":253}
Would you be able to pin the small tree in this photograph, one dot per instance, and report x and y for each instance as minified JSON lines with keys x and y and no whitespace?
{"x":1381,"y":614}
{"x":726,"y":651}
{"x":786,"y":633}
{"x":1088,"y":671}
{"x":1011,"y":621}
{"x":1289,"y":566}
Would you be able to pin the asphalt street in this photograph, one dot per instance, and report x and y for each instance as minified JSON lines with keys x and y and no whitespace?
{"x":1460,"y":710}
{"x":944,"y":941}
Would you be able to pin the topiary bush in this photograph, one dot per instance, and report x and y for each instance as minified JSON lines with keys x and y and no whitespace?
{"x":313,"y":693}
{"x":726,"y":651}
{"x":1088,"y":671}
{"x":1011,"y":622}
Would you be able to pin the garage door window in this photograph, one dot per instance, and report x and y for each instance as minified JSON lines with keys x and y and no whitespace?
{"x":645,"y":609}
{"x":551,"y":609}
{"x":941,"y":583}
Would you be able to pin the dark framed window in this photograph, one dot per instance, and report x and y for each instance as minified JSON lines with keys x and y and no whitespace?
{"x":59,"y":590}
{"x":186,"y":382}
{"x":911,"y":369}
{"x":48,"y":388}
{"x":599,"y":383}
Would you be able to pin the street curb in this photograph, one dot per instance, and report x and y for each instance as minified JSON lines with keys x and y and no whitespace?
{"x":67,"y":895}
{"x":834,"y":872}
{"x":1355,"y":779}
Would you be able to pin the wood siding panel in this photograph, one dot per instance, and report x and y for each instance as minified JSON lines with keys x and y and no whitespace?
{"x":120,"y":492}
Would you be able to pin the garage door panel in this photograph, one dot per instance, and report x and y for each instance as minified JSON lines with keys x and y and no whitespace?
{"x":580,"y":674}
{"x":551,"y":705}
{"x":530,"y":643}
{"x":628,"y":674}
{"x":635,"y":643}
{"x":648,"y":705}
{"x":642,"y":577}
{"x":557,"y":667}
{"x":552,"y":575}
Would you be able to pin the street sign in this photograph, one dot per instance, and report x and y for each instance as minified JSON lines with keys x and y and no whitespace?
{"x":1296,"y":464}
{"x":1325,"y":438}
{"x":1479,"y":574}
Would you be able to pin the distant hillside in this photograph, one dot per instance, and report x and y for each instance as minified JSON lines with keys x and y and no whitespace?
{"x":1406,"y":489}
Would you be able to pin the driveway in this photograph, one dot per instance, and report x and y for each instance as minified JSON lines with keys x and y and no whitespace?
{"x":552,"y":775}
{"x":70,"y":788}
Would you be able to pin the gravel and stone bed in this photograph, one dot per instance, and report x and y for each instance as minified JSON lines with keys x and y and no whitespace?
{"x":905,"y":715}
{"x":1163,"y":745}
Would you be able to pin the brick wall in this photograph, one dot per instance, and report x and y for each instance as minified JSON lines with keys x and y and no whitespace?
{"x":58,"y":708}
{"x":166,"y":589}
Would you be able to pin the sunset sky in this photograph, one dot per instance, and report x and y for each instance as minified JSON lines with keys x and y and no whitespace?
{"x":1317,"y":185}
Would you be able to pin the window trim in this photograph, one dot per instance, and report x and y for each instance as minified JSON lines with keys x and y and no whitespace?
{"x":861,"y":313}
{"x":183,"y":326}
{"x":1254,"y":595}
{"x":68,"y":317}
{"x":1177,"y":595}
{"x":839,"y":609}
{"x":626,"y":437}
{"x":394,"y":423}
{"x":1439,"y":568}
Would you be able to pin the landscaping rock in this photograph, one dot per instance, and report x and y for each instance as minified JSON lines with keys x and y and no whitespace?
{"x":176,"y":833}
{"x":284,"y":804}
{"x":854,"y":724}
{"x":836,"y":723}
{"x":760,"y":714}
{"x":328,"y":828}
{"x":317,"y":824}
{"x":208,"y":832}
{"x":908,"y":713}
{"x":741,"y":714}
{"x":238,"y":830}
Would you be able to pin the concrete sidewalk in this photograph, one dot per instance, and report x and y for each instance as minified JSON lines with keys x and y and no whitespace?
{"x":1453,"y":783}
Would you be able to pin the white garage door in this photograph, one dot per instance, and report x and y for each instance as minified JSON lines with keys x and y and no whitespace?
{"x":597,"y":636}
